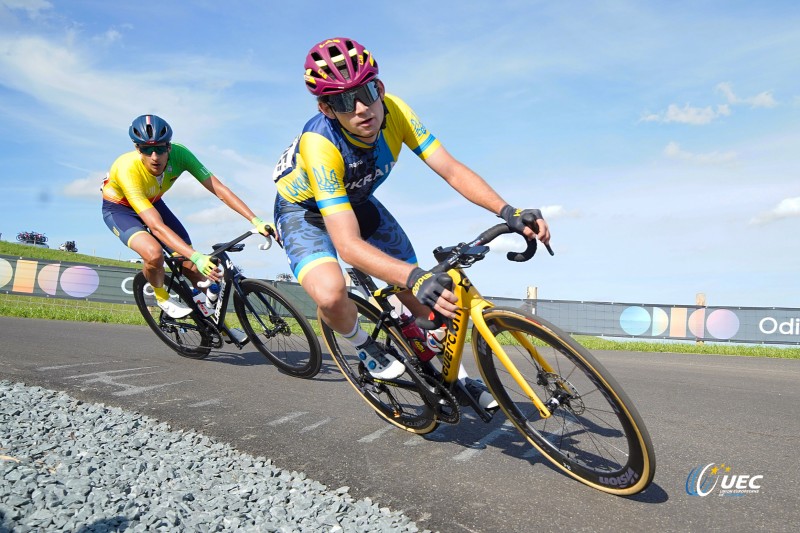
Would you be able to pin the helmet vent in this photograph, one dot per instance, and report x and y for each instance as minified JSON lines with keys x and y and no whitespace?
{"x":321,"y":63}
{"x":339,"y":61}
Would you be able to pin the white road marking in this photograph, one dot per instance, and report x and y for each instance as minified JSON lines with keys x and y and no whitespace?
{"x":283,"y":420}
{"x":315,"y":426}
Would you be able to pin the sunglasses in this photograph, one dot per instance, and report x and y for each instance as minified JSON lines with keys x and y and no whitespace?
{"x":346,"y":102}
{"x":149,"y":150}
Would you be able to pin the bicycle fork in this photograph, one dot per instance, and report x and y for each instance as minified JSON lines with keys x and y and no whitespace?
{"x":476,"y":313}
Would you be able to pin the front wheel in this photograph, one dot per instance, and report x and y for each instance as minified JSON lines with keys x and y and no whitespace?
{"x":398,"y":401}
{"x":278,"y":330}
{"x":594,"y":433}
{"x":188,"y":337}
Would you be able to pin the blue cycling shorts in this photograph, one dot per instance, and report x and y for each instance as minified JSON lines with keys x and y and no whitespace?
{"x":308,"y":244}
{"x":124,"y":222}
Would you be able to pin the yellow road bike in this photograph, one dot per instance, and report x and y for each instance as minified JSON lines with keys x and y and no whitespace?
{"x":553,"y":390}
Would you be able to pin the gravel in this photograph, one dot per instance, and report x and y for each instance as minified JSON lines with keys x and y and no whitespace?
{"x":68,"y":465}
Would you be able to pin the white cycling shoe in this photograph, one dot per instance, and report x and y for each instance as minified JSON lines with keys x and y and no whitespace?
{"x":236,"y":334}
{"x":174,"y":309}
{"x":379,"y":364}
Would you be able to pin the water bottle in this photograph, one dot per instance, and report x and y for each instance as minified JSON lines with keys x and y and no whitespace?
{"x":212,"y":294}
{"x":435,"y":338}
{"x":416,"y":338}
{"x":200,"y":299}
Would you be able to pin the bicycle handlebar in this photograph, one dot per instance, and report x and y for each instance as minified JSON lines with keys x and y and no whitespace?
{"x":500,"y":229}
{"x":221,"y":248}
{"x":467,"y":253}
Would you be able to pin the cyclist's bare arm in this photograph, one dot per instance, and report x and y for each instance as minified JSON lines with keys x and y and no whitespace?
{"x":228,"y":197}
{"x":344,"y":231}
{"x":163,"y":233}
{"x":474,"y":188}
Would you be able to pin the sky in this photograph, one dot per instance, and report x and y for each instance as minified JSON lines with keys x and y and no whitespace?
{"x":660,"y":139}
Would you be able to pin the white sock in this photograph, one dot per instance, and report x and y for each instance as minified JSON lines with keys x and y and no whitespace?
{"x":358,"y":337}
{"x":462,"y":373}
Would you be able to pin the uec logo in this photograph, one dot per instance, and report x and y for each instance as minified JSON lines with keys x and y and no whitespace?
{"x":702,"y":481}
{"x":679,"y":323}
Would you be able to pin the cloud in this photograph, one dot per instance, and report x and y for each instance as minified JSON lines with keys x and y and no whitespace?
{"x":558,"y":211}
{"x":674,"y":151}
{"x":705,"y":115}
{"x":214,"y":215}
{"x":64,"y":77}
{"x":32,"y":7}
{"x":88,"y":187}
{"x":787,"y":208}
{"x":763,"y":99}
{"x":688,"y":114}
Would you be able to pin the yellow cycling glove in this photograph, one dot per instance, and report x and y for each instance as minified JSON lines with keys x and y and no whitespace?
{"x":263,"y":228}
{"x":203,"y":262}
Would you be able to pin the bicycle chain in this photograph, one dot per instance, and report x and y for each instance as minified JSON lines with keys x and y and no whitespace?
{"x":448,"y":410}
{"x":215,"y":337}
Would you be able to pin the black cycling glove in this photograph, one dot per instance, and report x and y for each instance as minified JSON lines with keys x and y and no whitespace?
{"x":427,"y":286}
{"x":518,"y":219}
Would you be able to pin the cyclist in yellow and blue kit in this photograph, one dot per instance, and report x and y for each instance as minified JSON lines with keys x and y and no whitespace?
{"x":325,"y":206}
{"x":135,"y":212}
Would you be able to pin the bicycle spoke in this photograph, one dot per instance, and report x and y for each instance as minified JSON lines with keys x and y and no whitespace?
{"x":277,"y":329}
{"x":593,"y":432}
{"x":397,"y":401}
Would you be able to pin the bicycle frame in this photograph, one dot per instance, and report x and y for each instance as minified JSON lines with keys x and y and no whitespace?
{"x":470,"y":306}
{"x":232,"y":276}
{"x":472,"y":303}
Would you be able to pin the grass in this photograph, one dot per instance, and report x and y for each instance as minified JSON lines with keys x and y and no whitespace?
{"x":85,"y":311}
{"x":50,"y":254}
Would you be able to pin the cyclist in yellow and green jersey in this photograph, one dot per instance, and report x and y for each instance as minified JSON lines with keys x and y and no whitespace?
{"x":135,"y":212}
{"x":325,"y":207}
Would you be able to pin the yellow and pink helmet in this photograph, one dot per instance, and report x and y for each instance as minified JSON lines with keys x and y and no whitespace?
{"x":337,"y":65}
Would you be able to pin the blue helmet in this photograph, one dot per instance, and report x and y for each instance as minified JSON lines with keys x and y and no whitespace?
{"x":150,"y":129}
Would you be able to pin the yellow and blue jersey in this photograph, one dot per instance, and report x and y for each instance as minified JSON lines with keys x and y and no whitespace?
{"x":327,"y":170}
{"x":129,"y":183}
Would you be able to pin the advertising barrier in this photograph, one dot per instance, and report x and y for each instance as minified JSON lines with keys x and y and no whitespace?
{"x":768,"y":325}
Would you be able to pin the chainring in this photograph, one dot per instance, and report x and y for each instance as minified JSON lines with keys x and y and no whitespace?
{"x":448,"y":410}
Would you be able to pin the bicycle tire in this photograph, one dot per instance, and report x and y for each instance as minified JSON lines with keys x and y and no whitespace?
{"x":596,"y":435}
{"x":399,"y":402}
{"x":185,"y":335}
{"x":274,"y":331}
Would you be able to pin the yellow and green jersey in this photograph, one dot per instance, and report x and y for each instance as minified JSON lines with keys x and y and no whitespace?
{"x":129,"y":183}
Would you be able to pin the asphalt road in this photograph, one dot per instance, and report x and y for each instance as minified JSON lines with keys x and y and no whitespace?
{"x":473,"y":477}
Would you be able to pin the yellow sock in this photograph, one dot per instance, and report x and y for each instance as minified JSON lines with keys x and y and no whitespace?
{"x":161,"y":294}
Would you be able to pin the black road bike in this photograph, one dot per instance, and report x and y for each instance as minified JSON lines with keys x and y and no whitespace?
{"x":272,"y":323}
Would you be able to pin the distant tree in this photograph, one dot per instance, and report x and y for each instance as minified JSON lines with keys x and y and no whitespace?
{"x":284,"y":277}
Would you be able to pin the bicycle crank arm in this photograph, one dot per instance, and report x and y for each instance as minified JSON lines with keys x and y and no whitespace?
{"x":484,"y":415}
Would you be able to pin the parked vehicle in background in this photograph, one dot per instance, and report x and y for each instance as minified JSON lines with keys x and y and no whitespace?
{"x":32,"y":237}
{"x":68,"y":246}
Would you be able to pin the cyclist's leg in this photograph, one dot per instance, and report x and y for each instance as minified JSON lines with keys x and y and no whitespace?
{"x":313,"y":260}
{"x":388,"y":235}
{"x":314,"y":263}
{"x":131,"y":230}
{"x":172,"y":222}
{"x":126,"y":224}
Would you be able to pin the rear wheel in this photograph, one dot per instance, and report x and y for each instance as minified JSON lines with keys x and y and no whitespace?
{"x":594,"y":433}
{"x":187,"y":336}
{"x":277,"y":329}
{"x":398,"y":401}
